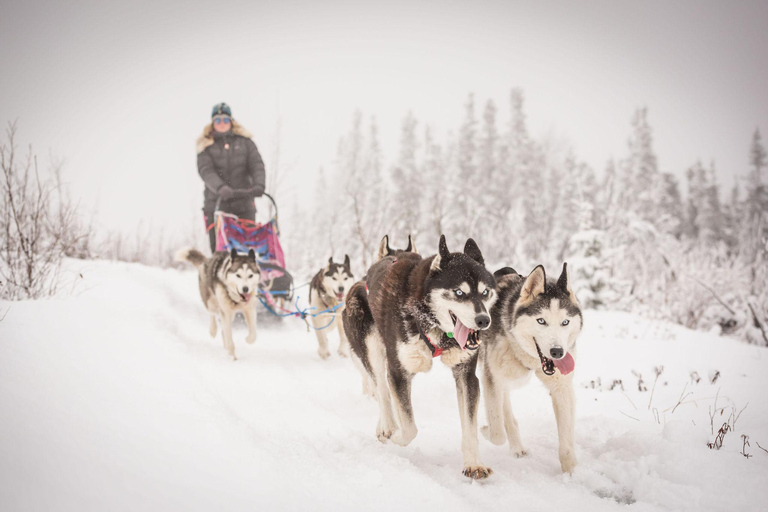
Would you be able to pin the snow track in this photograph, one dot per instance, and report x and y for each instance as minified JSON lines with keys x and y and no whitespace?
{"x":116,"y":398}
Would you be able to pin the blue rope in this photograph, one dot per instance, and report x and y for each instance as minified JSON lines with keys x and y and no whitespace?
{"x":302,"y":313}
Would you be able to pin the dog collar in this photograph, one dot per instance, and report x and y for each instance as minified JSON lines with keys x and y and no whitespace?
{"x":436,"y":351}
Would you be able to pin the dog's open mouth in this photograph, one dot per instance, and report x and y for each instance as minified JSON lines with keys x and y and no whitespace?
{"x":245,"y":296}
{"x":566,"y":364}
{"x":466,"y":338}
{"x":339,"y":296}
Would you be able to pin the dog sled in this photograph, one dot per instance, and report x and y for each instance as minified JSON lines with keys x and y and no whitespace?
{"x":277,"y":287}
{"x":242,"y":235}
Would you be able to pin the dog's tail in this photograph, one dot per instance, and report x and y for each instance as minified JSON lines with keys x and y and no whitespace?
{"x":358,"y":322}
{"x":193,"y":256}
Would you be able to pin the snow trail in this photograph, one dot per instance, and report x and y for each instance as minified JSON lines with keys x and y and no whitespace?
{"x":116,"y":398}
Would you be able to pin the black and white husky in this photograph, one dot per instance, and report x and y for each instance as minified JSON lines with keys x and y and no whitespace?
{"x":416,"y":309}
{"x":326,"y":291}
{"x":228,"y":282}
{"x":535,"y":326}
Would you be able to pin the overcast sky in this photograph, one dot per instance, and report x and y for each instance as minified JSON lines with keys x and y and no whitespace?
{"x":120,"y":90}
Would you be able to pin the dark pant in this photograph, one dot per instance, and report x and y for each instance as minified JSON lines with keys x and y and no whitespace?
{"x":210,"y":223}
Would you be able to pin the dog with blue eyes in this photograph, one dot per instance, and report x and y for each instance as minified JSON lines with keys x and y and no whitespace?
{"x":534,"y":328}
{"x":326,"y":298}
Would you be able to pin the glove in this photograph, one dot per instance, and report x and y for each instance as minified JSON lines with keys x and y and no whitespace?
{"x":226,"y":193}
{"x":249,"y":192}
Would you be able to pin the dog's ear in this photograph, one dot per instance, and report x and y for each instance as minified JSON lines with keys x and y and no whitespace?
{"x":330,"y":261}
{"x":346,"y":264}
{"x":534,"y":284}
{"x":564,"y":281}
{"x":473,"y":251}
{"x":442,"y":254}
{"x":384,"y":249}
{"x":411,"y":245}
{"x":505,"y":271}
{"x":233,"y":253}
{"x":252,"y":255}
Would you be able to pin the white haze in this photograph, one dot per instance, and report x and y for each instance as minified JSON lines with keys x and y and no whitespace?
{"x":121,"y":90}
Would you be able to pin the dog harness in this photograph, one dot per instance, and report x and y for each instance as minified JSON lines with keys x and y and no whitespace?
{"x":436,"y":351}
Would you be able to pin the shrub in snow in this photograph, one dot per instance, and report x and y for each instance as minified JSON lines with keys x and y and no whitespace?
{"x":39,"y":225}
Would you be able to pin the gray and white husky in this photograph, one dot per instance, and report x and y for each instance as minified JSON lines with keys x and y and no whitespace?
{"x":415,"y":309}
{"x":535,"y":326}
{"x":228,"y":282}
{"x":326,"y":291}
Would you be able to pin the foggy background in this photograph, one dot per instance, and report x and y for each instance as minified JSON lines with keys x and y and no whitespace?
{"x":620,"y":137}
{"x":121,"y":90}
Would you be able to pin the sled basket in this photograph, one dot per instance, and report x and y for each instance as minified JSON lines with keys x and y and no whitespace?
{"x":242,"y":235}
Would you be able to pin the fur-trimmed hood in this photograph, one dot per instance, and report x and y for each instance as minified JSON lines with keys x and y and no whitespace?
{"x":206,"y":139}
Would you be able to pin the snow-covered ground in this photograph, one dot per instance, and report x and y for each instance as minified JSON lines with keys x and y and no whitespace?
{"x":114,"y":397}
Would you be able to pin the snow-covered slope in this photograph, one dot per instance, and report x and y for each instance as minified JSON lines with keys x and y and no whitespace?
{"x":115,"y":398}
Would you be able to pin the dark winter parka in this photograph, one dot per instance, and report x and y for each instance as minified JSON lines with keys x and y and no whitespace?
{"x":230,"y":159}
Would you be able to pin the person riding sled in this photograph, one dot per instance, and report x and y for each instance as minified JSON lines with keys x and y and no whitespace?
{"x":231,"y":167}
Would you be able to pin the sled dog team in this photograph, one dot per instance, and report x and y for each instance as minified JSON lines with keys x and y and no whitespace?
{"x":408,"y":310}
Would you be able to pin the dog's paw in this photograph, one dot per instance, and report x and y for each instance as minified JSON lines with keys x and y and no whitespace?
{"x":384,"y":433}
{"x":518,"y":452}
{"x":568,"y":463}
{"x":498,"y":439}
{"x":324,"y":354}
{"x":477,"y":472}
{"x":402,"y":438}
{"x":343,"y":353}
{"x":250,"y":339}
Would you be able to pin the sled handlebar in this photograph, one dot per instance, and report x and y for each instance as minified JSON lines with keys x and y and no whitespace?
{"x":271,"y":199}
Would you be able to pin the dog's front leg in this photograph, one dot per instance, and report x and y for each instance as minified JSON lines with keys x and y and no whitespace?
{"x":400,"y":383}
{"x":492,"y":391}
{"x":377,"y":356}
{"x":343,"y":341}
{"x":468,"y":393}
{"x":322,"y":339}
{"x":564,"y":404}
{"x":227,"y":317}
{"x":250,"y":319}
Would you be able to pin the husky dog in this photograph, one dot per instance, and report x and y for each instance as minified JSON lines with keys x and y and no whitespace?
{"x":417,"y":309}
{"x":228,"y":282}
{"x":535,"y":326}
{"x":326,"y":290}
{"x":358,"y":297}
{"x":385,"y":250}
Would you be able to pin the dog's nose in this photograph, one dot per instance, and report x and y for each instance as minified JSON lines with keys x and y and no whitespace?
{"x":556,"y":352}
{"x":341,"y":289}
{"x":482,"y":321}
{"x":245,"y":289}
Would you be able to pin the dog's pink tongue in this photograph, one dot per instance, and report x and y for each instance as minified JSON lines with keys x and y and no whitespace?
{"x":460,"y":333}
{"x":566,"y":364}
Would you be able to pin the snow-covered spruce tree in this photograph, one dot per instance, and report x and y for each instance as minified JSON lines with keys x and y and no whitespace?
{"x":465,"y":204}
{"x":589,"y":270}
{"x":434,"y":168}
{"x":704,"y":218}
{"x":489,"y":224}
{"x":586,"y":246}
{"x":362,"y":214}
{"x":732,"y":218}
{"x":753,"y":244}
{"x":754,"y":232}
{"x":574,"y":212}
{"x":408,"y":184}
